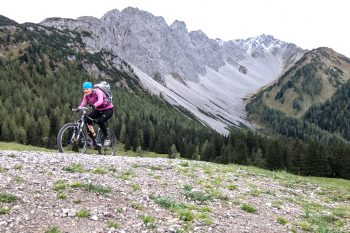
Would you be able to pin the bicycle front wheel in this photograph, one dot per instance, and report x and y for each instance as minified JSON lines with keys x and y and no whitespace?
{"x":112,"y":147}
{"x":71,"y":139}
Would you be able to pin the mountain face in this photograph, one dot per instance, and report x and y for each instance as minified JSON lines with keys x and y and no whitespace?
{"x":313,"y":79}
{"x":314,"y":90}
{"x":207,"y":77}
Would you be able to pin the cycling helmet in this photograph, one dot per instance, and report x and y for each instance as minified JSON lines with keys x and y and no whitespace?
{"x":87,"y":85}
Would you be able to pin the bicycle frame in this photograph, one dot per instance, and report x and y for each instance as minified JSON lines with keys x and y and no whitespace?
{"x":81,"y":122}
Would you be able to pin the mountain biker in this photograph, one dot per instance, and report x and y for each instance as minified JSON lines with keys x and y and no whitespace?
{"x":103,"y":110}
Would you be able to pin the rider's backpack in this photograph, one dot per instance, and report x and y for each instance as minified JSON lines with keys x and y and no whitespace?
{"x":106,"y":88}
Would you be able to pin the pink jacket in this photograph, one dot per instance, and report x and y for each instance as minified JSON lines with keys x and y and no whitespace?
{"x":98,"y":99}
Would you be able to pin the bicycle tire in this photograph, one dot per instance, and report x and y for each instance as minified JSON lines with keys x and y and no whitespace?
{"x":109,"y":150}
{"x":65,"y":136}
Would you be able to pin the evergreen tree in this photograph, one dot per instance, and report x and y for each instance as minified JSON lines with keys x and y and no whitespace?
{"x":274,"y":158}
{"x":345,"y":160}
{"x":205,"y":151}
{"x":316,"y":161}
{"x":44,"y":129}
{"x":196,"y":155}
{"x":21,"y":136}
{"x":296,"y":157}
{"x":127,"y":145}
{"x":5,"y":130}
{"x":173,"y":152}
{"x":139,"y":151}
{"x":259,"y":161}
{"x":241,"y":152}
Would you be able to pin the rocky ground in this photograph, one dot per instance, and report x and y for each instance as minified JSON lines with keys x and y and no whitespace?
{"x":49,"y":192}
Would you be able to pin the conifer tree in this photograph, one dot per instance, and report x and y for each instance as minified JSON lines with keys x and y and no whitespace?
{"x":313,"y":160}
{"x":173,"y":152}
{"x":127,"y":145}
{"x":22,"y":136}
{"x":345,"y":171}
{"x":205,"y":151}
{"x":139,"y":151}
{"x":274,"y":158}
{"x":196,"y":155}
{"x":5,"y":130}
{"x":241,"y":152}
{"x":296,"y":157}
{"x":122,"y":135}
{"x":259,"y":161}
{"x":44,"y":129}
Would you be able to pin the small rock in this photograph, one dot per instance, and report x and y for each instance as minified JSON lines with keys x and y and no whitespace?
{"x":94,"y":218}
{"x":107,"y":214}
{"x":65,"y":211}
{"x":71,"y":213}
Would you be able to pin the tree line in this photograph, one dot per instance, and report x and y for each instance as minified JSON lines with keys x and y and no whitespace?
{"x":39,"y":84}
{"x":334,"y":114}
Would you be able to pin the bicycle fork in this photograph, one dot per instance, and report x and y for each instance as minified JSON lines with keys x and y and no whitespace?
{"x":76,"y":134}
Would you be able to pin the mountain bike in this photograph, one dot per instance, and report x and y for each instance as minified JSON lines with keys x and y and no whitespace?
{"x":73,"y":138}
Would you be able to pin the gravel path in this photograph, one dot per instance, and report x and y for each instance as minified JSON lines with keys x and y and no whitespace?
{"x":91,"y":193}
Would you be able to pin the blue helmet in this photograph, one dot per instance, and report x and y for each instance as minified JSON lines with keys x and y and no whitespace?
{"x":87,"y":85}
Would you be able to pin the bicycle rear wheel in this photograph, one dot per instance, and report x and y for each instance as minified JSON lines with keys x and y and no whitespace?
{"x":110,"y":149}
{"x":71,"y":139}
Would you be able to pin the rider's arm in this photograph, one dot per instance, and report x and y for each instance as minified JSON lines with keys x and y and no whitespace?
{"x":83,"y":102}
{"x":100,"y":100}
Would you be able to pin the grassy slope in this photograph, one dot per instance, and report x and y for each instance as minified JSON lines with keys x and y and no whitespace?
{"x":120,"y":150}
{"x":323,"y":202}
{"x":20,"y":147}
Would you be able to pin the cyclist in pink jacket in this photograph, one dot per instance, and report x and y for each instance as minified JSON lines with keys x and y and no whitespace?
{"x":103,"y":110}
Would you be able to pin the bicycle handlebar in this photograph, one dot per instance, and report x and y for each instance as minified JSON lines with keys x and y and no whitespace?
{"x":84,"y":109}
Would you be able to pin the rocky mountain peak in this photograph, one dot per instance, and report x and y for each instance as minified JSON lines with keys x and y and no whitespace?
{"x":199,"y":35}
{"x":179,"y":26}
{"x":140,"y":16}
{"x":87,"y":19}
{"x":266,"y":40}
{"x":149,"y":43}
{"x":159,"y":50}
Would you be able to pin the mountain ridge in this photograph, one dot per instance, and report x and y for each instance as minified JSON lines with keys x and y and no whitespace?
{"x":324,"y":64}
{"x":299,"y":101}
{"x":164,"y":51}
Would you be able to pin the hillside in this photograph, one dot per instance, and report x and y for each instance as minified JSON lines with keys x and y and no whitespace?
{"x":333,"y":115}
{"x":312,"y":80}
{"x":287,"y":105}
{"x":49,"y":192}
{"x":41,"y":71}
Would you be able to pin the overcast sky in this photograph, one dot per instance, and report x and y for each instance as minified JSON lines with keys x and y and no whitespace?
{"x":306,"y":23}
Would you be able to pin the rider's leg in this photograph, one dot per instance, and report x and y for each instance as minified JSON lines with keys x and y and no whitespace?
{"x":101,"y":121}
{"x":90,"y":128}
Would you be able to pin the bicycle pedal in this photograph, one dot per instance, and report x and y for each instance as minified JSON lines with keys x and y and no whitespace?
{"x":106,"y":143}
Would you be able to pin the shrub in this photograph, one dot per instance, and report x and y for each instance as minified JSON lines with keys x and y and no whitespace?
{"x":7,"y":198}
{"x":248,"y":208}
